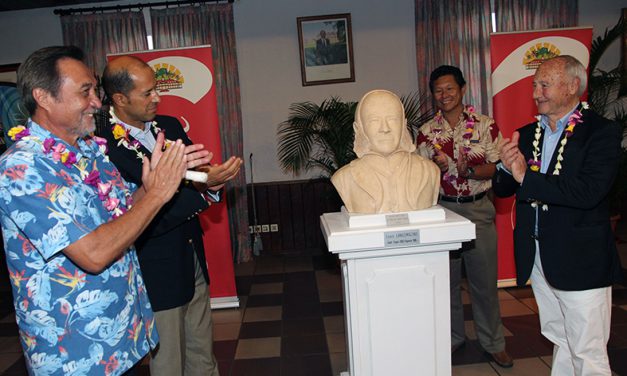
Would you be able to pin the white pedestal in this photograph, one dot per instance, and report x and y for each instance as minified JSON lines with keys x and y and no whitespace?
{"x":396,"y":293}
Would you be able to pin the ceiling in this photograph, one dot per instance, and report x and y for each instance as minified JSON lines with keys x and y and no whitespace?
{"x":6,"y":5}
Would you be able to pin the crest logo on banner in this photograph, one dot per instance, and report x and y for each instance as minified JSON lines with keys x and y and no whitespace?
{"x":170,"y":72}
{"x":535,"y":55}
{"x":168,"y":77}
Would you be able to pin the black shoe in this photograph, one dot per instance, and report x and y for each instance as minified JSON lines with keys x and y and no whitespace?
{"x":457,"y":346}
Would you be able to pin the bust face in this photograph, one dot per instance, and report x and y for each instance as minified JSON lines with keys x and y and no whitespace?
{"x":382,"y":119}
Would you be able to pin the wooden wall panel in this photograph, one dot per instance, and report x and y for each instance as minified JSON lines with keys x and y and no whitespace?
{"x":310,"y":217}
{"x":286,"y":228}
{"x":295,"y":207}
{"x":274,"y":215}
{"x":298,"y":219}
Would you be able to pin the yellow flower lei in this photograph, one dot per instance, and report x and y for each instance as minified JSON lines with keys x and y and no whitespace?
{"x":121,"y":134}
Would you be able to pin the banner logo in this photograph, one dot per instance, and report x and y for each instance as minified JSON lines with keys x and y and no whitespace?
{"x":170,"y":73}
{"x":539,"y":52}
{"x":518,"y":64}
{"x":168,"y":77}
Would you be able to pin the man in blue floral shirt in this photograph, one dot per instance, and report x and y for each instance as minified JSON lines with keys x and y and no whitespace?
{"x":68,"y":223}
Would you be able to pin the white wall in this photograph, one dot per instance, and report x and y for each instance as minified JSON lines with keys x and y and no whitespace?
{"x":25,"y":31}
{"x":269,"y":64}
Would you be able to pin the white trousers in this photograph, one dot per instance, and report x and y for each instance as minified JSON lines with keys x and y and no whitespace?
{"x":578,"y":324}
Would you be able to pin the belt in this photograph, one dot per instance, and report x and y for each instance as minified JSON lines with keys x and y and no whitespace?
{"x":463,"y":199}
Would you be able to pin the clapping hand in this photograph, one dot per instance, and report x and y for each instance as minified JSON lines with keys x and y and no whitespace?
{"x":512,"y":158}
{"x":162,"y":174}
{"x":218,"y":174}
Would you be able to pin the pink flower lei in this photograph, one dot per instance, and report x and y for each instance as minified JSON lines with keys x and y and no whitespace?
{"x":471,"y":119}
{"x":59,"y":153}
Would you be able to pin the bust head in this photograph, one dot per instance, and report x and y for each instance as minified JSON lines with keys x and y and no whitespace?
{"x":380,"y":125}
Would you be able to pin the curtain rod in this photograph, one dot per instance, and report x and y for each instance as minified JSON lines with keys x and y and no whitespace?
{"x":65,"y":12}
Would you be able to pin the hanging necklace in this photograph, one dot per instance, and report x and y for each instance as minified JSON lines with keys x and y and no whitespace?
{"x":122,"y":135}
{"x":535,"y":162}
{"x":59,"y":153}
{"x":471,"y":119}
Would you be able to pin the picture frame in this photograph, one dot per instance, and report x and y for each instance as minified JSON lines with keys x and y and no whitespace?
{"x":326,"y":49}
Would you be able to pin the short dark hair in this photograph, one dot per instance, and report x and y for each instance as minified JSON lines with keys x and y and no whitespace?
{"x":119,"y":80}
{"x":41,"y":70}
{"x":445,"y":70}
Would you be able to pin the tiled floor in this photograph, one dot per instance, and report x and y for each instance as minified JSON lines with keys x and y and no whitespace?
{"x":291,"y":323}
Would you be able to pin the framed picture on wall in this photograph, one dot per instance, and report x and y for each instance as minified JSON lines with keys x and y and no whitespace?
{"x":326,"y":49}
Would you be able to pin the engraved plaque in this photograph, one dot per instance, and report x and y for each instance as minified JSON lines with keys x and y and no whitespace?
{"x":400,"y":219}
{"x":406,"y":238}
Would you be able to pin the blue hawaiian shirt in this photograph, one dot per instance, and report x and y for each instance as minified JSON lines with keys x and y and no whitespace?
{"x":71,"y":322}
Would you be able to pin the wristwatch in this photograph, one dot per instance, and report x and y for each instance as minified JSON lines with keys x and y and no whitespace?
{"x":470,"y":172}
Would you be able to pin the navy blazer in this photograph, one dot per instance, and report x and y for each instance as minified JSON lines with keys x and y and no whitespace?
{"x":165,"y":249}
{"x":577,"y":247}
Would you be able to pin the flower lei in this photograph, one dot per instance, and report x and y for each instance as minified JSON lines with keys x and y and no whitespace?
{"x":68,"y":159}
{"x":471,"y":119}
{"x":121,"y":134}
{"x":535,"y":162}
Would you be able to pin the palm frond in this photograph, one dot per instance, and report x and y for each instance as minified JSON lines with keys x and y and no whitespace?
{"x":606,"y":93}
{"x":321,"y":136}
{"x":602,"y":43}
{"x":417,"y":111}
{"x":310,"y":127}
{"x":604,"y":90}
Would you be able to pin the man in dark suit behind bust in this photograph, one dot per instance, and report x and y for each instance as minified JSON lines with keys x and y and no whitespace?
{"x":170,"y":251}
{"x":323,"y":49}
{"x":561,"y":170}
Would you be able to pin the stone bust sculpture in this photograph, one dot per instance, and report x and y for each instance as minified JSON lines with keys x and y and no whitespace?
{"x":387,"y":176}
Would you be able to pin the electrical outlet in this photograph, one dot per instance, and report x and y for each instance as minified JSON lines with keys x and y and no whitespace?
{"x":257,"y":229}
{"x":250,"y":229}
{"x":265,"y":228}
{"x":274,"y":227}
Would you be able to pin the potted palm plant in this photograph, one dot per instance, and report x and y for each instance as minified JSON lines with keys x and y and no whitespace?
{"x":321,"y":136}
{"x":607,"y":95}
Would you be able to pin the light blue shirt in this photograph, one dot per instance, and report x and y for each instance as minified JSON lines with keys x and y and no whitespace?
{"x":145,"y":136}
{"x":551,"y":139}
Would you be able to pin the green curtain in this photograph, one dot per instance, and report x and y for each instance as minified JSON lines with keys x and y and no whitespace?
{"x":188,"y":26}
{"x":100,"y":34}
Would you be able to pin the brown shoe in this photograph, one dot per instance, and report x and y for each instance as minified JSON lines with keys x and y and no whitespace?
{"x":503,"y":359}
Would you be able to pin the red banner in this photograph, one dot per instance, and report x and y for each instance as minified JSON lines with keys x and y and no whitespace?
{"x":185,"y":84}
{"x":515,"y":57}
